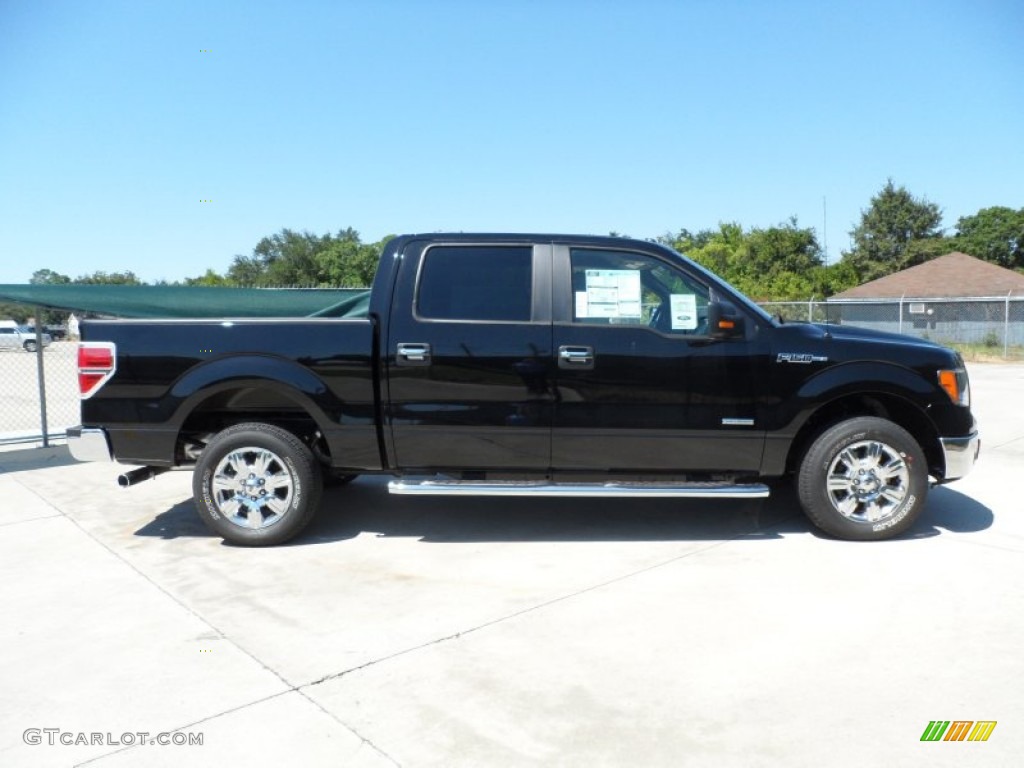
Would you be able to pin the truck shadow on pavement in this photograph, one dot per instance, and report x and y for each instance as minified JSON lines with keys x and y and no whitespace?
{"x":952,"y":511}
{"x":364,"y":507}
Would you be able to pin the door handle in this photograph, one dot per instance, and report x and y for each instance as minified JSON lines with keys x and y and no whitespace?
{"x":576,"y":358}
{"x":413,"y":354}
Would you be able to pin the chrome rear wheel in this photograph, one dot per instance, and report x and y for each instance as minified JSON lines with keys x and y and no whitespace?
{"x":256,"y":484}
{"x":253,"y":487}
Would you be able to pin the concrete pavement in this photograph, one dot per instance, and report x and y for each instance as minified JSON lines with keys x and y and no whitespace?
{"x":494,"y":632}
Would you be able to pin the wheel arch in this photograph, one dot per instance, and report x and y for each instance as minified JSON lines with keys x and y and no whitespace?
{"x":222,"y":404}
{"x":891,"y":406}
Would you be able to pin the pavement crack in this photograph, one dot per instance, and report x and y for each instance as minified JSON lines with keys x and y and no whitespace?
{"x":289,"y":686}
{"x":206,"y":719}
{"x":302,"y":689}
{"x":1008,"y":442}
{"x":30,"y":520}
{"x":239,"y":708}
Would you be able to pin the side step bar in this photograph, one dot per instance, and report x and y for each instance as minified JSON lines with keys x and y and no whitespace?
{"x":698,"y":490}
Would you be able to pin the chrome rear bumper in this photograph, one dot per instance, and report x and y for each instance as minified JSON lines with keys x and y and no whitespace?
{"x":960,"y":453}
{"x":88,"y":444}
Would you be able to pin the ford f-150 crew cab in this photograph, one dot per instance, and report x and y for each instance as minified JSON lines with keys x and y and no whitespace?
{"x":529,"y":365}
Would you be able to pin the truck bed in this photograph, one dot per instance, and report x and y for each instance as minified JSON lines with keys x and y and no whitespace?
{"x":176,"y":375}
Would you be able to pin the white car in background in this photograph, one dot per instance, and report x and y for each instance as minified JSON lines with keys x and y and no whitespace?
{"x":14,"y":336}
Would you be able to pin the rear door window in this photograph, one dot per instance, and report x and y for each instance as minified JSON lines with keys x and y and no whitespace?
{"x":476,"y":283}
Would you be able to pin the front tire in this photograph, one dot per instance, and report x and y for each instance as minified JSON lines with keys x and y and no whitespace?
{"x":30,"y":346}
{"x":256,"y":485}
{"x":864,"y":479}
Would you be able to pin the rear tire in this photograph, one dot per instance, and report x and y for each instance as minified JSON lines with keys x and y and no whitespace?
{"x":256,"y":485}
{"x":864,"y":479}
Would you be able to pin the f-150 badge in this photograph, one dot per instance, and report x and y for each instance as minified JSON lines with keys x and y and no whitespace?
{"x":799,"y":357}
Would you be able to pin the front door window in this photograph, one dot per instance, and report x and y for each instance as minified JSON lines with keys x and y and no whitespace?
{"x":623,"y":288}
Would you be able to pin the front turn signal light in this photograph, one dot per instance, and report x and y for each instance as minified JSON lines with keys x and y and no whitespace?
{"x":955,"y":384}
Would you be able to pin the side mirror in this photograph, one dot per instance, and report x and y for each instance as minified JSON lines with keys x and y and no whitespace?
{"x":725,"y":321}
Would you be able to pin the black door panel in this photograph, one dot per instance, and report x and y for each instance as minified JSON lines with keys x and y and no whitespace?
{"x":654,"y":398}
{"x":469,"y":393}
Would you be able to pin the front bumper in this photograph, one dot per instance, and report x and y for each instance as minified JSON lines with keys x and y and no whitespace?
{"x":88,"y":444}
{"x":960,"y":453}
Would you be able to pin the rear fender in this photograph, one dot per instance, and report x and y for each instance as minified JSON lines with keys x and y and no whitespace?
{"x":283,"y":377}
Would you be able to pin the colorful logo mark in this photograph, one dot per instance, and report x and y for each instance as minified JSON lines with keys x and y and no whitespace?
{"x":958,"y":730}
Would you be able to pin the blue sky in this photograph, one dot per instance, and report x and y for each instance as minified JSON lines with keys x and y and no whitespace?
{"x":569,"y":116}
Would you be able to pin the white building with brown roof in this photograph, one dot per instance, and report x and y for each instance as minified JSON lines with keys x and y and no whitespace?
{"x":953,"y":298}
{"x":955,"y":275}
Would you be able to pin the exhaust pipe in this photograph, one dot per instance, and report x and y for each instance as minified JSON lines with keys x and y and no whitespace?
{"x":136,"y":476}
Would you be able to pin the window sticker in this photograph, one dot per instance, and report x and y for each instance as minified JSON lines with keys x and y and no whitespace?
{"x":581,"y":305}
{"x":612,"y":293}
{"x":684,"y":311}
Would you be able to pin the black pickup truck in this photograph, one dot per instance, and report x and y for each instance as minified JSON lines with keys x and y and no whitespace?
{"x":529,"y":365}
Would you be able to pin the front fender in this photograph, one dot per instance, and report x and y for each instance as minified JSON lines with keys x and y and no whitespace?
{"x":866,"y":375}
{"x":859,"y":378}
{"x":863,"y":379}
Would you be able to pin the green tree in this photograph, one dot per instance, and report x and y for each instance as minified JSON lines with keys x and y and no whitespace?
{"x":713,"y":249}
{"x":893,"y":220}
{"x":285,"y":258}
{"x":108,"y":278}
{"x":920,"y":251}
{"x":303,"y":258}
{"x":19,"y":313}
{"x":994,"y":234}
{"x":48,"y":277}
{"x":210,"y":279}
{"x":349,"y":263}
{"x":685,"y":240}
{"x":780,"y":262}
{"x":246,"y":270}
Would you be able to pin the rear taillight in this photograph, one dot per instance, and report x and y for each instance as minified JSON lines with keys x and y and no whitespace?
{"x":97,"y":361}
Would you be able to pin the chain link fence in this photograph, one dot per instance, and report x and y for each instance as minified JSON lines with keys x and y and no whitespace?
{"x":38,"y":385}
{"x":982,"y":328}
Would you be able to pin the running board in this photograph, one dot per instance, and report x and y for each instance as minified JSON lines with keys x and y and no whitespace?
{"x":697,"y":490}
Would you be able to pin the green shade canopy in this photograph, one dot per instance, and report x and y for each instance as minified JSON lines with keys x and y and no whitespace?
{"x":193,"y":301}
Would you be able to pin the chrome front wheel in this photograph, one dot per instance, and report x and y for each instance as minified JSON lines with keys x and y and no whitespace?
{"x":868,"y":481}
{"x":863,"y":479}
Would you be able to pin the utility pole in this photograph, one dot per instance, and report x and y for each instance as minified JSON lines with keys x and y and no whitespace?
{"x":824,"y":226}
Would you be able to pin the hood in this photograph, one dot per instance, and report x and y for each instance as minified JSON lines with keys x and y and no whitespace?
{"x":867,"y":334}
{"x":865,"y":342}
